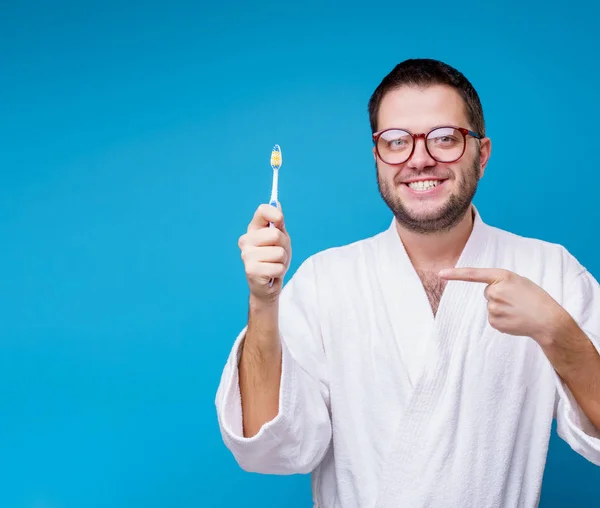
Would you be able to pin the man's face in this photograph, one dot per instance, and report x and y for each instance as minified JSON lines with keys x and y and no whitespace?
{"x":418,"y":110}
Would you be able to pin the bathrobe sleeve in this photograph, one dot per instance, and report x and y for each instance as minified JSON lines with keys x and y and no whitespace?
{"x":582,"y":301}
{"x":296,"y":440}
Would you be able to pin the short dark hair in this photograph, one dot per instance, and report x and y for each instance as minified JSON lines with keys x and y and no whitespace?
{"x":424,"y":72}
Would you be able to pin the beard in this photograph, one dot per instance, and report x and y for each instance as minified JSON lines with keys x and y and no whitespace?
{"x":443,"y":219}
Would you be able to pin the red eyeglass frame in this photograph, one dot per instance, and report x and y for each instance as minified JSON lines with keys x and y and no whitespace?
{"x":415,"y":137}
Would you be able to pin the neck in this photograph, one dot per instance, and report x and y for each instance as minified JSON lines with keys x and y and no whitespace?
{"x":437,"y":250}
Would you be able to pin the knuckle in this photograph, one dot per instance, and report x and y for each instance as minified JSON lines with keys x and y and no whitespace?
{"x":249,"y":255}
{"x":468,"y":273}
{"x":495,"y":309}
{"x":277,"y":236}
{"x":251,"y":269}
{"x":282,"y":255}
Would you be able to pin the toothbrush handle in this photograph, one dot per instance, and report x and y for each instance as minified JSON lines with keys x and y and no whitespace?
{"x":271,"y":225}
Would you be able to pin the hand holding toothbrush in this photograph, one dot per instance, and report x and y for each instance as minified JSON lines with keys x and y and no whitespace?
{"x":266,"y":251}
{"x":274,"y":253}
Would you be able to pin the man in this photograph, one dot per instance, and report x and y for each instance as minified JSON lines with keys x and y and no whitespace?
{"x":421,"y":367}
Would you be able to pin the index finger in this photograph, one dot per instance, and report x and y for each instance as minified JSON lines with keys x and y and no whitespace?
{"x":266,"y":214}
{"x":485,"y":275}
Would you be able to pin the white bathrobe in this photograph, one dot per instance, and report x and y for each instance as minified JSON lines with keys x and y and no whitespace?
{"x":390,"y":407}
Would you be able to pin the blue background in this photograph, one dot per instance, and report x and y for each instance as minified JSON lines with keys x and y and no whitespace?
{"x":135,"y":143}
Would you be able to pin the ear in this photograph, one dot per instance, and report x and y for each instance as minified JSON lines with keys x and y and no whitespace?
{"x":374,"y":154}
{"x":485,"y":151}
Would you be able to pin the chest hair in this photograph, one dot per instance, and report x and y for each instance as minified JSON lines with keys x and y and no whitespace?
{"x":434,"y":287}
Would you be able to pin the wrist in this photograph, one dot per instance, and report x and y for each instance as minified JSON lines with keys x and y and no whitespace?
{"x":263,"y":326}
{"x":264,"y":306}
{"x":560,"y":326}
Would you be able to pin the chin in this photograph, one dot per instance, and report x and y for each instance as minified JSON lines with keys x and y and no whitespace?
{"x":427,"y":203}
{"x":426,"y":212}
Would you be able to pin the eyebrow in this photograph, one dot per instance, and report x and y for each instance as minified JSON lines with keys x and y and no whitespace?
{"x":437,"y":126}
{"x":446,"y":124}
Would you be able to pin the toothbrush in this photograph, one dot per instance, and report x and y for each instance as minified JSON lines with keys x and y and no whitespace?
{"x":275,"y":164}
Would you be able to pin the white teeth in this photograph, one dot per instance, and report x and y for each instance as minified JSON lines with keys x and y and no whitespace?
{"x":424,"y":185}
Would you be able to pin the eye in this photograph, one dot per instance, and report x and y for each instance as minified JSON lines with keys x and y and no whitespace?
{"x":396,"y":140}
{"x":445,"y":140}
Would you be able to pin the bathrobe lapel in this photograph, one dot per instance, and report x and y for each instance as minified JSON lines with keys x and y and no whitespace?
{"x":462,"y":312}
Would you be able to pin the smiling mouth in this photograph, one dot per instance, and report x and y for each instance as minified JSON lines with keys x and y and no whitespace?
{"x":424,"y":185}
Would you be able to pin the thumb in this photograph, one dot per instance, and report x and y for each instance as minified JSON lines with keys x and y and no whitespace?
{"x":281,"y":226}
{"x":280,"y":223}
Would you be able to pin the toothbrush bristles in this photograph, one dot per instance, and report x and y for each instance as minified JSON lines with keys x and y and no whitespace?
{"x":276,"y":157}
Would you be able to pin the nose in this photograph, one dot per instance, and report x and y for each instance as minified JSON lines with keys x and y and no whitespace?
{"x":420,"y":159}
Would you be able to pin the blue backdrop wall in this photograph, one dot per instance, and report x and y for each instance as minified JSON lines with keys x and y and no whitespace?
{"x":135,"y":139}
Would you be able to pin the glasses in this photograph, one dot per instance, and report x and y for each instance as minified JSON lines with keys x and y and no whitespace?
{"x":443,"y":144}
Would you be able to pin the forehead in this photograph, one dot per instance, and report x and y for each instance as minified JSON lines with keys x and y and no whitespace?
{"x":421,"y":108}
